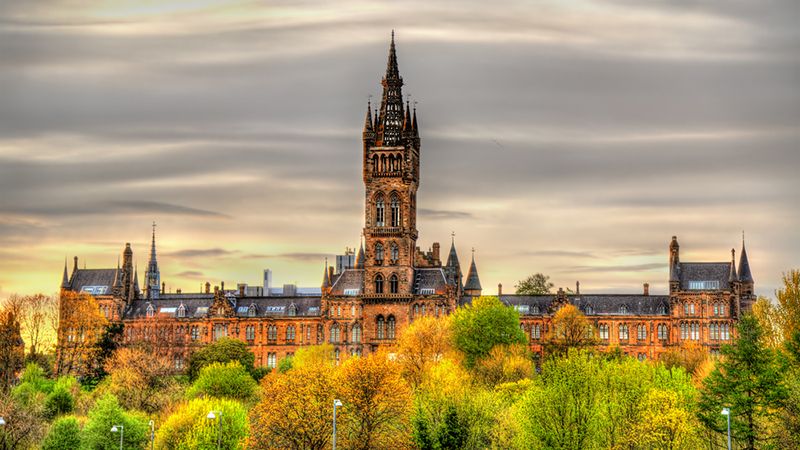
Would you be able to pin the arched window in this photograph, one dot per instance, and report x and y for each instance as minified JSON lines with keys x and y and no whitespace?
{"x":641,"y":332}
{"x":536,"y":331}
{"x":695,"y":329}
{"x":684,"y":331}
{"x":390,"y":327}
{"x":380,"y":327}
{"x":623,"y":332}
{"x":290,"y":333}
{"x":355,"y":334}
{"x":394,"y":253}
{"x":181,"y":311}
{"x":335,"y":334}
{"x":603,"y":331}
{"x":416,"y":310}
{"x":380,"y":211}
{"x":379,"y":253}
{"x":251,"y":311}
{"x":292,"y":310}
{"x":272,"y":333}
{"x":395,"y":206}
{"x":535,"y":310}
{"x":662,"y":332}
{"x":393,"y":284}
{"x":375,"y":165}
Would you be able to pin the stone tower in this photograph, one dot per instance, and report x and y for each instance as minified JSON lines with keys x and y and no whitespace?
{"x":391,"y":179}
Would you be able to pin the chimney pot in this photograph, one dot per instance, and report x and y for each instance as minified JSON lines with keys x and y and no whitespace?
{"x":208,"y":287}
{"x":499,"y":288}
{"x":647,"y":289}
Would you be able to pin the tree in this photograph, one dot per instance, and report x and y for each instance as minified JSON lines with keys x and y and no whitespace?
{"x":221,"y":351}
{"x":294,"y":411}
{"x":376,"y":401}
{"x":24,"y":426}
{"x":189,"y":427}
{"x":536,"y":284}
{"x":80,"y":327}
{"x":107,"y":413}
{"x":12,"y":348}
{"x":504,"y":364}
{"x":314,"y":356}
{"x":789,"y":304}
{"x":64,"y":434}
{"x":769,"y":318}
{"x":689,"y":355}
{"x":228,"y":380}
{"x":425,"y":342}
{"x":569,"y":329}
{"x":61,"y":400}
{"x":483,"y":324}
{"x":748,"y":381}
{"x":662,"y":422}
{"x":38,"y":314}
{"x":140,"y":380}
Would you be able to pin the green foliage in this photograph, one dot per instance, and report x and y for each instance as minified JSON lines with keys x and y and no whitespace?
{"x":224,"y":380}
{"x":107,"y":413}
{"x":536,"y":284}
{"x":189,"y":428}
{"x":482,"y":325}
{"x":221,"y":351}
{"x":748,"y":381}
{"x":285,"y":364}
{"x":64,"y":434}
{"x":61,"y":400}
{"x":104,"y":349}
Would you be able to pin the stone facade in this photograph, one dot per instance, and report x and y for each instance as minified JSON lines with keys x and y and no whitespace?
{"x":366,"y":306}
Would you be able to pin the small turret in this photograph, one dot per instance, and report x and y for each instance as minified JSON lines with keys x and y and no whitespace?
{"x":65,"y":278}
{"x":360,"y":257}
{"x":473,"y":285}
{"x":326,"y":280}
{"x":368,"y":121}
{"x":733,"y":277}
{"x":674,"y":265}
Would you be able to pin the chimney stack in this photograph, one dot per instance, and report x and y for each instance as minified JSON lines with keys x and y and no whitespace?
{"x":436,"y":249}
{"x":242,"y":287}
{"x":222,"y":286}
{"x":647,"y":289}
{"x":577,"y":288}
{"x":163,"y":288}
{"x":499,"y":288}
{"x":75,"y":267}
{"x":178,"y":291}
{"x":208,"y":287}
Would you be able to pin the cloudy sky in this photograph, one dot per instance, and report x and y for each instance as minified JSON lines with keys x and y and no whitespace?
{"x":572,"y":138}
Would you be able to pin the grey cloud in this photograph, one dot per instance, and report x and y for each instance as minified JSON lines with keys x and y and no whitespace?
{"x":443,"y":214}
{"x":616,"y":268}
{"x":559,"y":253}
{"x":201,"y":253}
{"x":194,"y":274}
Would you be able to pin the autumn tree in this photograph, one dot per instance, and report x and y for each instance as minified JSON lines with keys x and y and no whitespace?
{"x":423,"y":343}
{"x":228,"y":380}
{"x":483,"y":324}
{"x":769,"y":318}
{"x":38,"y":315}
{"x":789,"y":304}
{"x":376,"y":401}
{"x":12,"y":348}
{"x":536,"y":284}
{"x":504,"y":364}
{"x":690,"y":356}
{"x":81,"y":326}
{"x":294,"y":411}
{"x":569,"y":329}
{"x":748,"y":381}
{"x":663,"y":422}
{"x":23,"y":428}
{"x":190,"y":428}
{"x":107,"y":413}
{"x":140,"y":380}
{"x":314,"y":356}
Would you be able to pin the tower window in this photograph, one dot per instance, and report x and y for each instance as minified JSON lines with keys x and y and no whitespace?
{"x":379,"y":284}
{"x":662,"y":332}
{"x":380,"y":327}
{"x":356,"y":334}
{"x":393,"y":284}
{"x":394,"y":253}
{"x":395,"y":206}
{"x":380,"y":211}
{"x":390,"y":327}
{"x":379,"y":253}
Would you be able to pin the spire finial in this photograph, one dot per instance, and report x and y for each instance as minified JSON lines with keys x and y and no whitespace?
{"x":453,"y":237}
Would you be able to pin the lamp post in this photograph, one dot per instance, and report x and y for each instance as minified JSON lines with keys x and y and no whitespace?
{"x":121,"y":430}
{"x":727,"y":413}
{"x":335,"y":404}
{"x":3,"y":425}
{"x":211,"y":416}
{"x":152,"y":435}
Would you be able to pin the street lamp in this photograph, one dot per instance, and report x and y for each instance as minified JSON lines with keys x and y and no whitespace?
{"x":121,"y":430}
{"x":727,"y":412}
{"x":218,"y":416}
{"x":3,"y":425}
{"x":152,"y":434}
{"x":335,"y":404}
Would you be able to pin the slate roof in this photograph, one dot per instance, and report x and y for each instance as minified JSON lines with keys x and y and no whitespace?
{"x":350,"y":280}
{"x":83,"y":278}
{"x":705,"y":271}
{"x":197,"y":305}
{"x":430,"y":281}
{"x":601,"y":305}
{"x":473,"y":282}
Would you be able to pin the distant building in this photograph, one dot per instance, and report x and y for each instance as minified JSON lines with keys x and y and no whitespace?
{"x":370,"y":297}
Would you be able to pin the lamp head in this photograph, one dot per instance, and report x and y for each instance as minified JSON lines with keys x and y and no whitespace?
{"x":211,"y":415}
{"x":2,"y":422}
{"x":114,"y":429}
{"x":337,"y":403}
{"x":726,"y":411}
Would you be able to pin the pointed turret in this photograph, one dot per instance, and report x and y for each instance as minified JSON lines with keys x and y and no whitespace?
{"x":326,"y":280}
{"x":152,"y":278}
{"x":118,"y":277}
{"x":391,"y":110}
{"x":368,"y":119}
{"x":733,"y":277}
{"x":453,"y":267}
{"x":744,"y":266}
{"x":407,"y":125}
{"x":473,"y":285}
{"x":360,"y":257}
{"x":65,"y":278}
{"x":414,"y":121}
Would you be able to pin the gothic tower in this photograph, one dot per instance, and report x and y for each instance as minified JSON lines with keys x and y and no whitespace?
{"x":152,"y":278}
{"x":391,"y":179}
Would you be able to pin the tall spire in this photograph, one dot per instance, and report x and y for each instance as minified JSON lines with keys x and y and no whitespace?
{"x":65,"y":278}
{"x":326,"y":280}
{"x":391,"y":111}
{"x":152,"y":278}
{"x":360,"y":255}
{"x":414,"y":120}
{"x":744,"y":265}
{"x":733,"y":277}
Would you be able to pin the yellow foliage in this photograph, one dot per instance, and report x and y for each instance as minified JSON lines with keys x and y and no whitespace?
{"x":425,"y":342}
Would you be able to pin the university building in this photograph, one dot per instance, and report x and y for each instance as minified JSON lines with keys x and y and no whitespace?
{"x":368,"y":300}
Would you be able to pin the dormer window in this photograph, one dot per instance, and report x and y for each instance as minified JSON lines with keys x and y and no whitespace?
{"x":292,"y":310}
{"x":181,"y":311}
{"x":535,"y":310}
{"x":662,"y":309}
{"x":623,"y":309}
{"x":704,"y":285}
{"x":589,"y":310}
{"x":150,"y":310}
{"x":251,"y":311}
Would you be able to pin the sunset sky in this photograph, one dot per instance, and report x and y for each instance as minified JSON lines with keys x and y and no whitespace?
{"x":572,"y":138}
